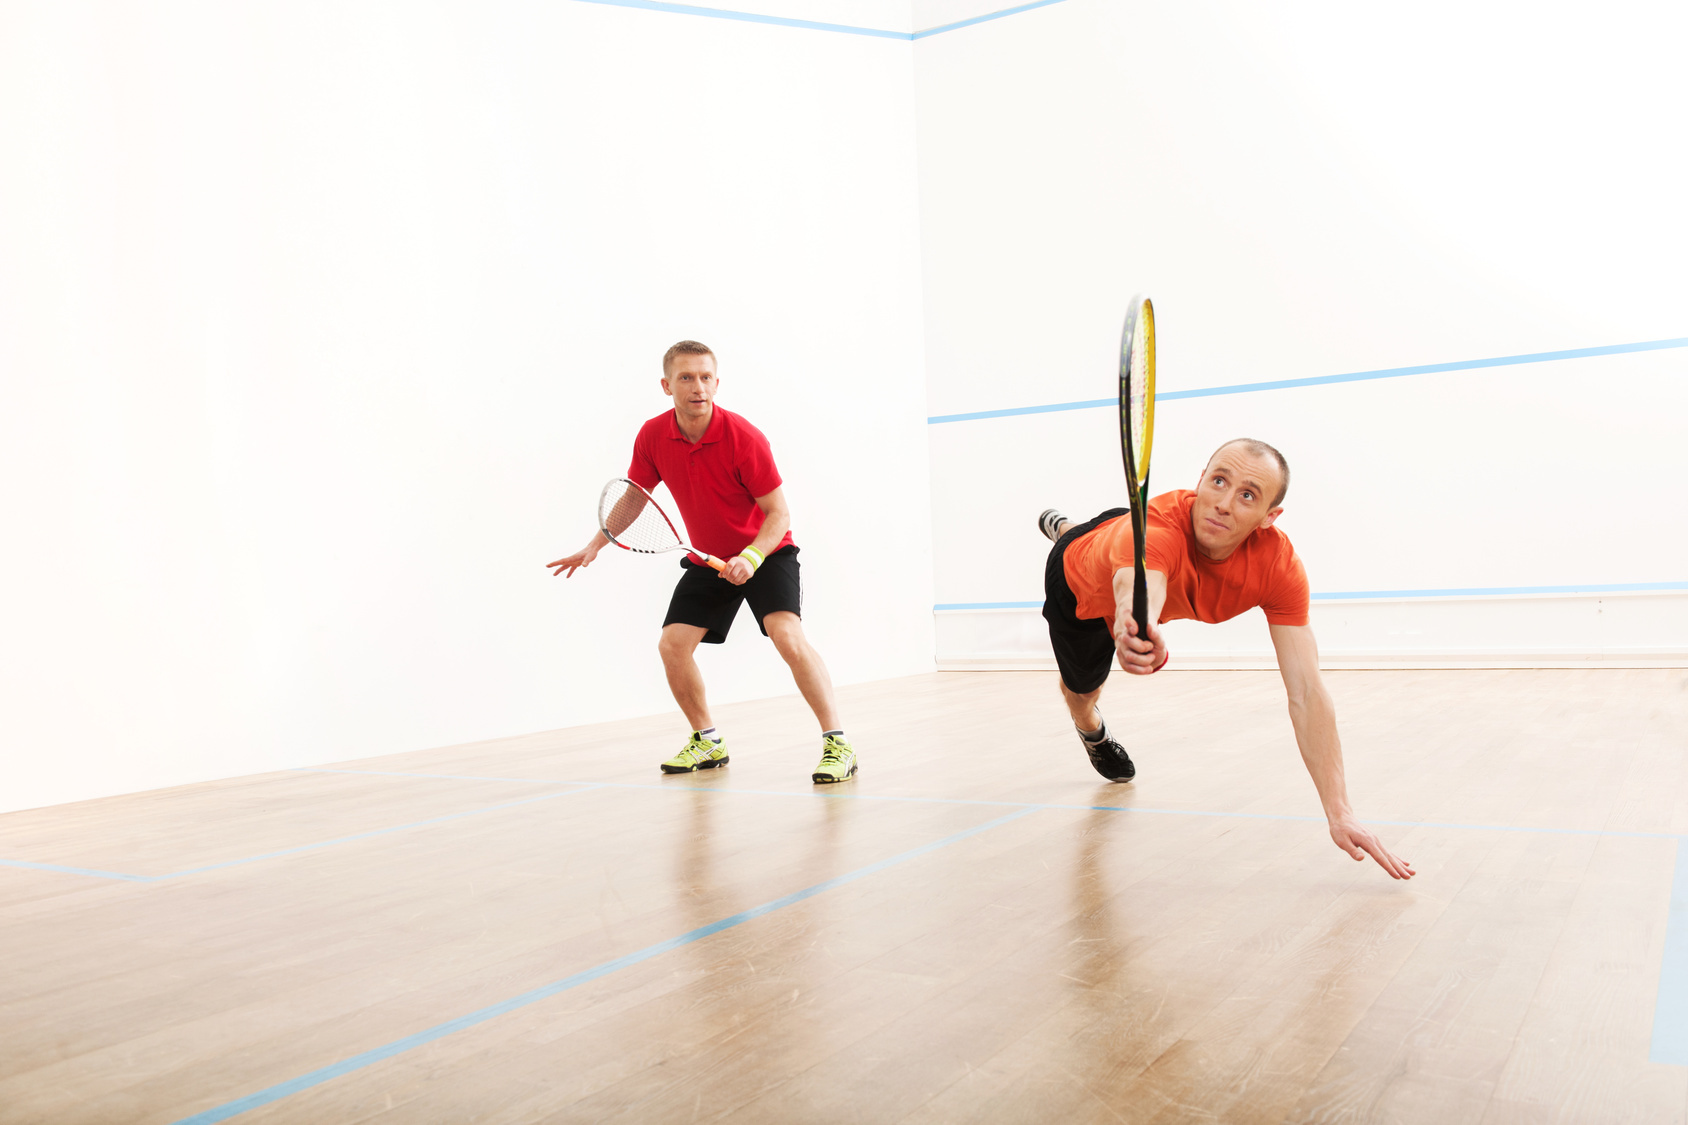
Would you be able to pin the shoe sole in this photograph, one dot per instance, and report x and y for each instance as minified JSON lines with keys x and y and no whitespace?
{"x":709,"y":765}
{"x":824,"y":779}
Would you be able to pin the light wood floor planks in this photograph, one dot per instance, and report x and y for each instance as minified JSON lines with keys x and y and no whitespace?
{"x":1192,"y":951}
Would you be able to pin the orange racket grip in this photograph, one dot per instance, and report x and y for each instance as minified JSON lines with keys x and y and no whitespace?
{"x":714,"y":562}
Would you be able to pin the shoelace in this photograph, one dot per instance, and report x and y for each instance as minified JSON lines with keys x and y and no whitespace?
{"x":833,"y":753}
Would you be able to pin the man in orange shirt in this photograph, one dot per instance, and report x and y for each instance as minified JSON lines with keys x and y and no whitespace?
{"x":1211,"y":554}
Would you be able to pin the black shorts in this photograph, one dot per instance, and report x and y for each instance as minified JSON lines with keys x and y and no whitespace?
{"x":1084,"y":650}
{"x":705,"y":599}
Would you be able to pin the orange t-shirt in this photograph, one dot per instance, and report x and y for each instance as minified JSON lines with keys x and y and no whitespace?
{"x":1263,"y":571}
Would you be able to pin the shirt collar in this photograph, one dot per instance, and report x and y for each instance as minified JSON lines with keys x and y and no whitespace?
{"x":711,"y":433}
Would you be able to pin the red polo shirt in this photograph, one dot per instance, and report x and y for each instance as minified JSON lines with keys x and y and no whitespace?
{"x":715,"y":483}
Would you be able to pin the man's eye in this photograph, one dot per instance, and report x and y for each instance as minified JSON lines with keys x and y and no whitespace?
{"x":1247,"y":495}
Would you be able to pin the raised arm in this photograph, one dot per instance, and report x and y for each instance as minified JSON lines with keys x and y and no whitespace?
{"x":1313,"y":715}
{"x":776,"y":521}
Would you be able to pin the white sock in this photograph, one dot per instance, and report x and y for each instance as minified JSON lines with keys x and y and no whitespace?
{"x":826,"y":734}
{"x":709,"y":734}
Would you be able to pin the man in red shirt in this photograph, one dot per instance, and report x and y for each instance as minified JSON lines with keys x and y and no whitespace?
{"x":720,"y":470}
{"x":1211,"y":554}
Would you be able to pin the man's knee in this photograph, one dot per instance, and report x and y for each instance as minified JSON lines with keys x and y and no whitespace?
{"x":785,"y":629}
{"x":678,"y":642}
{"x":1079,"y":696}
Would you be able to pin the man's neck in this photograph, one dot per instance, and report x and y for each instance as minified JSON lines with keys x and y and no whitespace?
{"x":694,"y":430}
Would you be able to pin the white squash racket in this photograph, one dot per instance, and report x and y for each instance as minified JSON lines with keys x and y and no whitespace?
{"x":631,"y":518}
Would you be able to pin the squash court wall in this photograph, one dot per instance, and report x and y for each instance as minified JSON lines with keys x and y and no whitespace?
{"x":1313,"y":189}
{"x":322,"y":325}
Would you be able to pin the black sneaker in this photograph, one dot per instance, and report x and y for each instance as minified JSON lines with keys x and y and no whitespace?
{"x":1050,"y":523}
{"x":1110,"y":759}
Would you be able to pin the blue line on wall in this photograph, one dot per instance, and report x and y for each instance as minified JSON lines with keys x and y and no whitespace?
{"x":1320,"y":380}
{"x":440,"y":1031}
{"x":1354,"y":595}
{"x":1503,"y":591}
{"x":1670,"y":1010}
{"x":812,"y":25}
{"x":983,"y":19}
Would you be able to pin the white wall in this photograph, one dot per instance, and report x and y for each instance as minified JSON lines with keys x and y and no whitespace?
{"x":322,"y":323}
{"x":1308,"y":189}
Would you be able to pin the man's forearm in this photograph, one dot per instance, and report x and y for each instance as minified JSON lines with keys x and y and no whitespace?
{"x":774,"y":527}
{"x":1314,"y":719}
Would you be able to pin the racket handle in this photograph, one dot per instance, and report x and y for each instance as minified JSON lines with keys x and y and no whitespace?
{"x":1140,"y":603}
{"x":714,"y":562}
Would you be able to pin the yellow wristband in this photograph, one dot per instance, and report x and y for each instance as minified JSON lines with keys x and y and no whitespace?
{"x":753,"y":557}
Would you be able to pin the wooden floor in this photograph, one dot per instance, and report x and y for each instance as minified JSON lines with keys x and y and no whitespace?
{"x":982,"y":942}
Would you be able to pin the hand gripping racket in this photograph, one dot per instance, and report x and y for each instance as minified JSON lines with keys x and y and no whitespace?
{"x":631,"y":519}
{"x":1137,"y":434}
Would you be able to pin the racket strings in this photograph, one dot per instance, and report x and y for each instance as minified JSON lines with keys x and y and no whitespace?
{"x":629,"y":517}
{"x":1142,"y":387}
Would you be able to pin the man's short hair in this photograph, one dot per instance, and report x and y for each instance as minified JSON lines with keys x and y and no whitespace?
{"x":1261,"y":449}
{"x":685,"y":347}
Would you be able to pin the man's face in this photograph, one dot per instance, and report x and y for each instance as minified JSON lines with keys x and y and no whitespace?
{"x":691,"y":380}
{"x":1233,"y":499}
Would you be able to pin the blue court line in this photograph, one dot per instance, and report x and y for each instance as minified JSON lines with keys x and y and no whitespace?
{"x":812,"y":25}
{"x":1670,"y":1010}
{"x":1320,"y":380}
{"x":544,"y":992}
{"x":585,"y":786}
{"x":1356,"y":595}
{"x":1029,"y":805}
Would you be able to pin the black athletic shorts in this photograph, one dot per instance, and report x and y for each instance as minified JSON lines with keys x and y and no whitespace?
{"x":705,"y":599}
{"x":1084,"y":650}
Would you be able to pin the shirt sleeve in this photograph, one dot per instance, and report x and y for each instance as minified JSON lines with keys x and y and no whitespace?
{"x":1163,"y":549}
{"x":1290,"y":598}
{"x":754,"y":462}
{"x":642,"y":470}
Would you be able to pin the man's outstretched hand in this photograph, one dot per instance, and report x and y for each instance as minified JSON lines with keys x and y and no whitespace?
{"x":1137,"y":655}
{"x":1359,"y":841}
{"x":574,"y":562}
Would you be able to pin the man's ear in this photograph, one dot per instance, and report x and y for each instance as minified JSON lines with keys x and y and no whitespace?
{"x":1272,"y":517}
{"x":666,"y":389}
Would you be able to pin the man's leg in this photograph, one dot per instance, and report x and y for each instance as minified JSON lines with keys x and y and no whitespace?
{"x":1086,"y":715}
{"x":838,"y":758}
{"x":785,"y":629}
{"x":685,"y":678}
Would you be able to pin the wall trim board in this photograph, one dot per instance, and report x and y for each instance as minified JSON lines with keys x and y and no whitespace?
{"x":815,"y":25}
{"x":1321,"y":380}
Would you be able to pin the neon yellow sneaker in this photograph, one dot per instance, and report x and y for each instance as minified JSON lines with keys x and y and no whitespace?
{"x":700,"y":754}
{"x":838,"y":761}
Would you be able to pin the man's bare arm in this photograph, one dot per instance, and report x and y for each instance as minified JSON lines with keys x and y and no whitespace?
{"x":1313,"y":715}
{"x":626,"y":510}
{"x":1137,"y":655}
{"x":776,"y":521}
